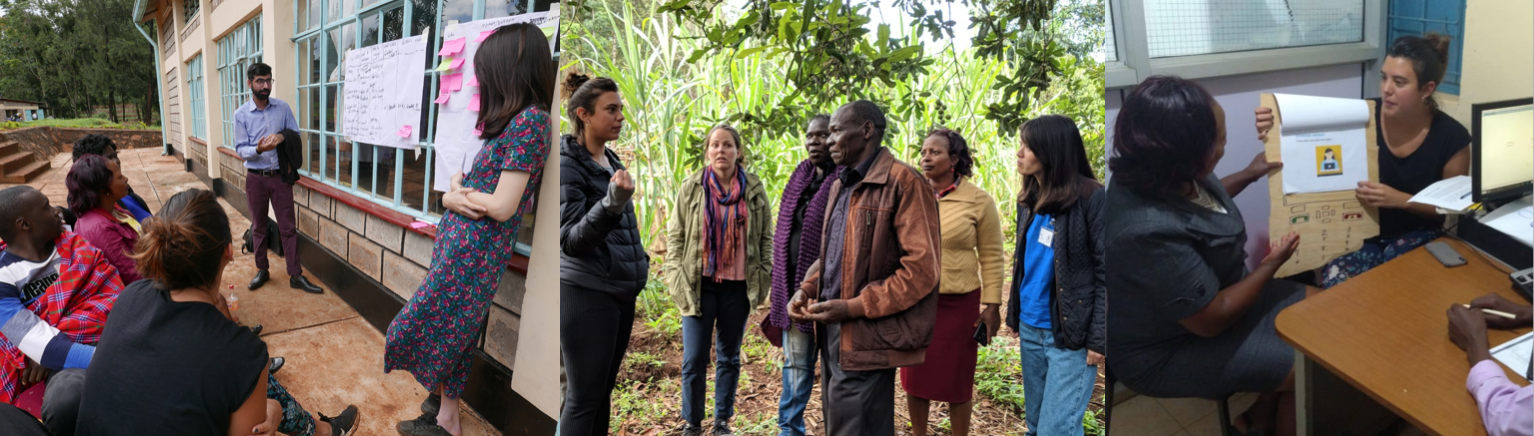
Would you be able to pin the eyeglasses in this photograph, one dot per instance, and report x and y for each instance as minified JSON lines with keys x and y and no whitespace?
{"x":267,"y":82}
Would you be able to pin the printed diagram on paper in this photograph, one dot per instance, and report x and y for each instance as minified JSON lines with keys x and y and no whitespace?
{"x":1327,"y":166}
{"x":1323,"y":143}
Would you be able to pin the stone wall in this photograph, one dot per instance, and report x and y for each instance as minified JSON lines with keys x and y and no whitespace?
{"x":46,"y":142}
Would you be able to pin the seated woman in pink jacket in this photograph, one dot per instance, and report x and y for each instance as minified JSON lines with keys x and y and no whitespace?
{"x":95,"y":187}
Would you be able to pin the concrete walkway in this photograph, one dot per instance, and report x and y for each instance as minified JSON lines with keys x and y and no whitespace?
{"x":334,"y":357}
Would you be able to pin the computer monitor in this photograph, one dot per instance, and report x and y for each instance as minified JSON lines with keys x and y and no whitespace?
{"x":1502,"y":150}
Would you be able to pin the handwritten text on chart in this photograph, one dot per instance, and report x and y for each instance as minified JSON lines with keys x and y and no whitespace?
{"x":383,"y":93}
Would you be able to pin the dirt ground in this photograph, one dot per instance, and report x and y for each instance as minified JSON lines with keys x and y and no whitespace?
{"x":649,"y":401}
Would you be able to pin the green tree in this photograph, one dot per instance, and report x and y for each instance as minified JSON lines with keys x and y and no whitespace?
{"x":75,"y":55}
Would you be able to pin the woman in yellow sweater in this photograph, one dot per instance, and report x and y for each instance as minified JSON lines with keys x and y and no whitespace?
{"x":972,"y":275}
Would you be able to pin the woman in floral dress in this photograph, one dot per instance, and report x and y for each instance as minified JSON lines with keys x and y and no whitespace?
{"x":435,"y":335}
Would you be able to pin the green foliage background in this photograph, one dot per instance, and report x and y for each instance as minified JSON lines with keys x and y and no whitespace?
{"x":75,"y":55}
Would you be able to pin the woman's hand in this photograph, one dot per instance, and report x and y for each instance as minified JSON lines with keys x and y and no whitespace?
{"x":457,"y":181}
{"x":1280,"y":251}
{"x":1264,"y":122}
{"x":1260,"y":165}
{"x":273,"y":419}
{"x":457,"y":201}
{"x":1094,"y":358}
{"x":1375,"y":194}
{"x":991,"y":316}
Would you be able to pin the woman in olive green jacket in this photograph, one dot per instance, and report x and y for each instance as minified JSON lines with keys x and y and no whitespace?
{"x":718,"y":271}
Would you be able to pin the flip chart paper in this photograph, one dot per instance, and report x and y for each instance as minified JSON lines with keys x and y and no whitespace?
{"x":382,"y":94}
{"x":456,"y":140}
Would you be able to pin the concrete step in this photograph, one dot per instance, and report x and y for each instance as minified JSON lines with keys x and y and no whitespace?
{"x":14,"y":161}
{"x":26,"y":173}
{"x":8,"y":147}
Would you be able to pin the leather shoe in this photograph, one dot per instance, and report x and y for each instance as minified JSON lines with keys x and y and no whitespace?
{"x":261,"y":277}
{"x":275,"y":365}
{"x":299,"y":282}
{"x":256,"y":329}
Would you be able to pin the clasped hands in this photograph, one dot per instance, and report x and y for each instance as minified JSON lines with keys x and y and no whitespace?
{"x":269,"y":143}
{"x":457,"y":199}
{"x":803,"y":308}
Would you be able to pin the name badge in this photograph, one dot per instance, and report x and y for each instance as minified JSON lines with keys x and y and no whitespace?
{"x":1047,"y":237}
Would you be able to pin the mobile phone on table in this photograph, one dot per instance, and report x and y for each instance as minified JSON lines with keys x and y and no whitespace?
{"x":1445,"y":254}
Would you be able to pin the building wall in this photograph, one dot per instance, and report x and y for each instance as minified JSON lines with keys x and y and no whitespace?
{"x":1498,"y":60}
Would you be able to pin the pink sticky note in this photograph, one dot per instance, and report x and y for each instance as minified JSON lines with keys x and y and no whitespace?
{"x":452,"y":47}
{"x":419,"y":224}
{"x":456,"y":63}
{"x":473,"y":81}
{"x":404,"y":132}
{"x":442,"y":97}
{"x":483,"y":35}
{"x":474,"y":102}
{"x":478,"y":131}
{"x":451,"y":82}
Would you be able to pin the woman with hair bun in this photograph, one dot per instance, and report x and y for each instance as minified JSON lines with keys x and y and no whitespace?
{"x":1419,"y":145}
{"x":171,"y":360}
{"x":602,"y":262}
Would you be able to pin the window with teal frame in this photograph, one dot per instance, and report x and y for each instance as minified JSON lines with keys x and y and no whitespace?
{"x":1418,"y":17}
{"x":236,"y":51}
{"x":195,"y":90}
{"x":324,"y":30}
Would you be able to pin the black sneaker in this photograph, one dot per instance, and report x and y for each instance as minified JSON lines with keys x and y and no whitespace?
{"x":432,"y":404}
{"x":424,"y":425}
{"x":721,"y":429}
{"x":343,"y":424}
{"x":692,"y":430}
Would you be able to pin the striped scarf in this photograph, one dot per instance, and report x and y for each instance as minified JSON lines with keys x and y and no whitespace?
{"x":77,"y":304}
{"x":724,"y":217}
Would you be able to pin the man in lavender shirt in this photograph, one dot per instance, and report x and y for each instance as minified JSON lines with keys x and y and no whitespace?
{"x":1506,"y":409}
{"x":258,"y":126}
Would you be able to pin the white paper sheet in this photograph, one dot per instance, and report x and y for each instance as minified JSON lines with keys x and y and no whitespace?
{"x":1451,"y":194}
{"x":383,"y":93}
{"x":1514,"y":219}
{"x":1323,"y":143}
{"x":456,"y":143}
{"x":1515,"y":353}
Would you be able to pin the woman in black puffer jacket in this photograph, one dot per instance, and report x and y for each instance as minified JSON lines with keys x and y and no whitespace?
{"x":602,"y":263}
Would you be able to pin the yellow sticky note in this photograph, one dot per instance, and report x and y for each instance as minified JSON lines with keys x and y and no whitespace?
{"x":446,"y":64}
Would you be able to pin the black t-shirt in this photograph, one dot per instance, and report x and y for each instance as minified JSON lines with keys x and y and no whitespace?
{"x":1416,"y":171}
{"x":168,"y":367}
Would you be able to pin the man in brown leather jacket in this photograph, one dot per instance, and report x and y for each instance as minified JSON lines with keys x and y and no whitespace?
{"x":873,"y":294}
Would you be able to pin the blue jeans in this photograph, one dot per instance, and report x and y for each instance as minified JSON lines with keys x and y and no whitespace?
{"x":1057,"y":383}
{"x":798,"y":380}
{"x":726,"y":305}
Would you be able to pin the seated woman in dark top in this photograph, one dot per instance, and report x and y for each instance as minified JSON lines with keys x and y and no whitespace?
{"x":1187,"y":318}
{"x":1419,"y":145}
{"x":171,"y":360}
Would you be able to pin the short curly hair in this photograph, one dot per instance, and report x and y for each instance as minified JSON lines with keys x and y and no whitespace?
{"x":958,"y":148}
{"x":94,"y":143}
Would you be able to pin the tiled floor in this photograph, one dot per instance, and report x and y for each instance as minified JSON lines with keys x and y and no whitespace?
{"x":1146,"y":416}
{"x":334,"y":357}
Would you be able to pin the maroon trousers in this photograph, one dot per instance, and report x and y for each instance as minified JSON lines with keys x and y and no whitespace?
{"x":259,"y":190}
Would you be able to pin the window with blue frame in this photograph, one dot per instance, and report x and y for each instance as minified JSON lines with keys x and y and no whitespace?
{"x":195,"y":90}
{"x":236,"y":52}
{"x":324,"y":30}
{"x":1419,"y":17}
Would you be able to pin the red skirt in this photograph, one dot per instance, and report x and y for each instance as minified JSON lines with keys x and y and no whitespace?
{"x":948,"y":374}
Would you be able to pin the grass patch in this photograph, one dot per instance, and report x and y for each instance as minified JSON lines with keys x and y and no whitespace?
{"x":76,"y":123}
{"x":999,"y":373}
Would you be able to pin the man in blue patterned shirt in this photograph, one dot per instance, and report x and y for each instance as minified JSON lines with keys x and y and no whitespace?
{"x":258,"y":126}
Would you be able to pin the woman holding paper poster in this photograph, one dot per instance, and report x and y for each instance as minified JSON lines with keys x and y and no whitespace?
{"x":1188,"y":319}
{"x":435,"y":335}
{"x":1419,"y":145}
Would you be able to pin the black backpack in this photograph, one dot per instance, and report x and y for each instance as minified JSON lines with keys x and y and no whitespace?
{"x":273,"y":239}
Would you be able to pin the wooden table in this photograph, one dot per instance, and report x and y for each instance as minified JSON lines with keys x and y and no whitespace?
{"x":1386,"y":333}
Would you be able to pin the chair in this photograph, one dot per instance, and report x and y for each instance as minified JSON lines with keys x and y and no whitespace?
{"x":1109,"y":380}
